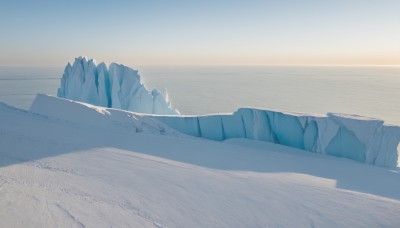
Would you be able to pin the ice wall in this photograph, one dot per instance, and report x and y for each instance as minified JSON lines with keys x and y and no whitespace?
{"x":117,"y":87}
{"x":358,"y":138}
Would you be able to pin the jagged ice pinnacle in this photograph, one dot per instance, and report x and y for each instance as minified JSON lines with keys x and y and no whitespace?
{"x":115,"y":87}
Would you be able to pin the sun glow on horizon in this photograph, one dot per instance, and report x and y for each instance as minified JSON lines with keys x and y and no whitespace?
{"x":226,"y":32}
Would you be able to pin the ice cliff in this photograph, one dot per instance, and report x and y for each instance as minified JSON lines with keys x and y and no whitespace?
{"x":115,"y":87}
{"x":358,"y":138}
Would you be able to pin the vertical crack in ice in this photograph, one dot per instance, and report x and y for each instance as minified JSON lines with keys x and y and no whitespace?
{"x":244,"y":128}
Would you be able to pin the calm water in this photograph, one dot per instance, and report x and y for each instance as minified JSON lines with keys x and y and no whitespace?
{"x":368,"y":91}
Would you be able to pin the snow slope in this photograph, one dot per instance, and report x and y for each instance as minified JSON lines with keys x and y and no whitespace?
{"x":57,"y":172}
{"x":116,"y":87}
{"x":107,"y":118}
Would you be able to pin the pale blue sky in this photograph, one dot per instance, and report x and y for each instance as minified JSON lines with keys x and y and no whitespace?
{"x":201,"y":32}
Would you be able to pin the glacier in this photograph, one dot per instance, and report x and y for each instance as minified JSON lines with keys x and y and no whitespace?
{"x":117,"y":86}
{"x":354,"y":137}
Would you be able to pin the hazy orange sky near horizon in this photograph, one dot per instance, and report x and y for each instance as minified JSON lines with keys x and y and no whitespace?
{"x":136,"y":33}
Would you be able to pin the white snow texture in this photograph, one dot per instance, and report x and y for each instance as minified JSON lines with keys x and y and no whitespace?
{"x":89,"y":167}
{"x":116,"y":87}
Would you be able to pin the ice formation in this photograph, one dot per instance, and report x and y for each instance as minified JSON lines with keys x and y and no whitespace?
{"x":358,"y":138}
{"x":116,"y":87}
{"x":87,"y":167}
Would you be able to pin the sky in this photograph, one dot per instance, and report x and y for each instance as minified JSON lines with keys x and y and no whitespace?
{"x":206,"y":32}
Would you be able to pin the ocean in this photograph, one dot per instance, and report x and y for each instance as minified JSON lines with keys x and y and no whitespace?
{"x":368,"y":91}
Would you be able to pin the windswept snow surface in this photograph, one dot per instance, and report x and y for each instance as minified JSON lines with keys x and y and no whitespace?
{"x":60,"y":172}
{"x":116,"y":87}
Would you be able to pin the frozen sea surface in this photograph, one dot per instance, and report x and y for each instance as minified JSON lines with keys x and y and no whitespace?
{"x":369,"y":91}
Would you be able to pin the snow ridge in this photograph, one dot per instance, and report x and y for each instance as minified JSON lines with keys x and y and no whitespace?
{"x":115,"y":87}
{"x":106,"y":118}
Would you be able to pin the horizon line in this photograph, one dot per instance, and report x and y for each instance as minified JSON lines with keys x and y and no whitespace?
{"x":227,"y":65}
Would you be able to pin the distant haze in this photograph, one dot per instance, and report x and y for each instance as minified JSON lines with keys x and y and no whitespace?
{"x":208,"y":32}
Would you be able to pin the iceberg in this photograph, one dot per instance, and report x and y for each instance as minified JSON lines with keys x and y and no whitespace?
{"x":115,"y":87}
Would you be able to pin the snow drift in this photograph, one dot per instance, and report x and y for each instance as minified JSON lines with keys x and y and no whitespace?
{"x":115,"y":87}
{"x":106,"y":118}
{"x":358,"y":138}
